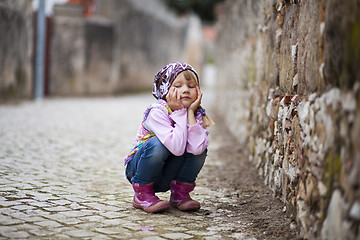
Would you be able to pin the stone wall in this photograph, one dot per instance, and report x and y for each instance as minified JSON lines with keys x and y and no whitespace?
{"x":119,"y":49}
{"x":82,"y":57}
{"x":289,"y":88}
{"x":15,"y":49}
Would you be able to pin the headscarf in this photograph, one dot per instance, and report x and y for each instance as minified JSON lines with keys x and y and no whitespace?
{"x":166,"y":76}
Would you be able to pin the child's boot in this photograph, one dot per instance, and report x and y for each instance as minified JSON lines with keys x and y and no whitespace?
{"x":146,"y":199}
{"x":180,"y":197}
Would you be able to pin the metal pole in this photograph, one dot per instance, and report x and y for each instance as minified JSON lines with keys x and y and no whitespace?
{"x":40,"y":52}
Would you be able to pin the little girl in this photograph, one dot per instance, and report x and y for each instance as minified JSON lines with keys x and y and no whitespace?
{"x":171,"y":144}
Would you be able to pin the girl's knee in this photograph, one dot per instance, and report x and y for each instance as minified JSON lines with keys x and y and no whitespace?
{"x":157,"y":148}
{"x":201,"y":157}
{"x":155,"y":151}
{"x":197,"y":160}
{"x":204,"y":153}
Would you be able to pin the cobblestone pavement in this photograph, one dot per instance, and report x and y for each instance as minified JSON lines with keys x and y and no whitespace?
{"x":62,"y":176}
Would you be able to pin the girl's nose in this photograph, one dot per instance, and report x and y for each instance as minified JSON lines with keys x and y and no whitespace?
{"x":185,"y":89}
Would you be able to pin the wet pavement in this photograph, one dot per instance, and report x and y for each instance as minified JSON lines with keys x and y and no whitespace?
{"x":62,"y":176}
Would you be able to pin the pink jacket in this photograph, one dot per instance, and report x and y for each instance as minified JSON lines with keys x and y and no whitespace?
{"x":174,"y":132}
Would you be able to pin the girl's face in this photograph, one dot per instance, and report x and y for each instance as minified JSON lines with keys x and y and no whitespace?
{"x":185,"y":85}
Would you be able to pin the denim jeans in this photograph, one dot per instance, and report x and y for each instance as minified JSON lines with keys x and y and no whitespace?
{"x":153,"y":162}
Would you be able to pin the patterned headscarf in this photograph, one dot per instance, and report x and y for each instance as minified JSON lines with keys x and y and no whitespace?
{"x":166,"y":76}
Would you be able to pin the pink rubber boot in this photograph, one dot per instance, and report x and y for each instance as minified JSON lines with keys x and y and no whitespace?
{"x":146,"y":199}
{"x":180,"y":197}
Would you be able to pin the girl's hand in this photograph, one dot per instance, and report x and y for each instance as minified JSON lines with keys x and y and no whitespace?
{"x":173,"y":100}
{"x":197,"y":102}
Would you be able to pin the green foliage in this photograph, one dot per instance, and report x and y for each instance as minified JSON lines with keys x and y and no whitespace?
{"x":203,"y":8}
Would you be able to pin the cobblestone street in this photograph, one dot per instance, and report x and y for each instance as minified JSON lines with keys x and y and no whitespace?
{"x":62,"y":176}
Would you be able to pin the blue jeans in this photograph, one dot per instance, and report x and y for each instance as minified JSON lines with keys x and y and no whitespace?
{"x":153,"y":162}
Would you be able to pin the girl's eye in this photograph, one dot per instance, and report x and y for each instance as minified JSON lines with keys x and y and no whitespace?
{"x":192,"y":86}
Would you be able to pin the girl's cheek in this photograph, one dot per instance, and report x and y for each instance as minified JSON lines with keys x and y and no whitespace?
{"x":171,"y":91}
